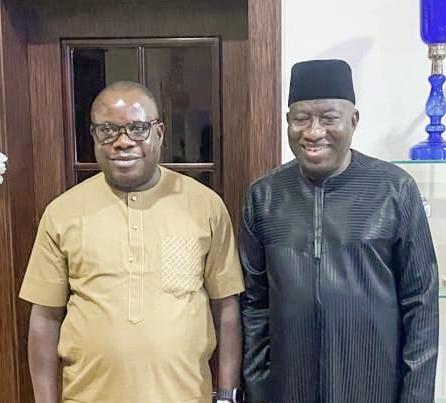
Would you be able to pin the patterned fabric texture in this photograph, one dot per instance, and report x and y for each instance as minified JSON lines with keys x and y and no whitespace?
{"x":341,"y":302}
{"x":180,"y":265}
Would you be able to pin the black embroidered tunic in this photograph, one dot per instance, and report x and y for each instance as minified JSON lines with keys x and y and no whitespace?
{"x":341,"y":301}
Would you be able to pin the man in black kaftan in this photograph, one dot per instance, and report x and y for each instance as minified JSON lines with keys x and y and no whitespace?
{"x":341,"y":302}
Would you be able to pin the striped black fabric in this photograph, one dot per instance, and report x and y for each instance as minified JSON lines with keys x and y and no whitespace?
{"x":341,"y":301}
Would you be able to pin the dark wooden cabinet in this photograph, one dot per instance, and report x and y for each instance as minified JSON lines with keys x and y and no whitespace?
{"x":238,"y":42}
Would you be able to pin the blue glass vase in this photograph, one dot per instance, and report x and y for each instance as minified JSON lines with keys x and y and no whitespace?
{"x":433,"y":21}
{"x":433,"y":33}
{"x":434,"y":148}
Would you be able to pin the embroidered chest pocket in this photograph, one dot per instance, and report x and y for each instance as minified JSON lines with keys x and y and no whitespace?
{"x":181,"y":265}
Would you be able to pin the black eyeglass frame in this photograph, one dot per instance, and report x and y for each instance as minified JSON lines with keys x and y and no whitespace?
{"x":126,"y":128}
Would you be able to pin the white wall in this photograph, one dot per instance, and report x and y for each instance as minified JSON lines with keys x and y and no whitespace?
{"x":380,"y":39}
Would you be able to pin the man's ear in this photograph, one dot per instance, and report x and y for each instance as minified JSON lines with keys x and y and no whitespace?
{"x":288,"y":117}
{"x":355,"y":119}
{"x":160,"y":129}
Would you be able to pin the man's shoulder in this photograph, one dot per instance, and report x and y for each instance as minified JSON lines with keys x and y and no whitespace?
{"x":72,"y":199}
{"x":389,"y":171}
{"x":178,"y":183}
{"x":279,"y":175}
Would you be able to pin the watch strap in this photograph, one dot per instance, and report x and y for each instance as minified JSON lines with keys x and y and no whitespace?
{"x":225,"y":394}
{"x":233,"y":395}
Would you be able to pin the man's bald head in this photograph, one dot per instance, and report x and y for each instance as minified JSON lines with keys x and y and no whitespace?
{"x":121,"y":93}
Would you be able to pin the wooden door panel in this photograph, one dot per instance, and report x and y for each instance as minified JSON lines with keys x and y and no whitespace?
{"x":47,"y":127}
{"x":224,"y":18}
{"x":17,"y":208}
{"x":32,"y":117}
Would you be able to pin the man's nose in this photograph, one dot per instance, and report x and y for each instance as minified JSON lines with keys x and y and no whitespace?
{"x":123,"y":141}
{"x":316,"y":131}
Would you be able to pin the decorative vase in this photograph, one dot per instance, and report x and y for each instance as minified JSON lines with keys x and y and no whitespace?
{"x":433,"y":33}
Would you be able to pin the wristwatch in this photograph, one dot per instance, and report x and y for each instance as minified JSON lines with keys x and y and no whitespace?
{"x":233,"y":395}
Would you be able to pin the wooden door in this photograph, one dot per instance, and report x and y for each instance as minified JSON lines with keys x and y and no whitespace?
{"x":184,"y":77}
{"x":36,"y":126}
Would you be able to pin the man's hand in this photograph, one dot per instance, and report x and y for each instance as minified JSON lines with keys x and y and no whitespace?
{"x":3,"y":159}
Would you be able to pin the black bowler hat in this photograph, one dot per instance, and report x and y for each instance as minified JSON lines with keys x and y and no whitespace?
{"x":321,"y":79}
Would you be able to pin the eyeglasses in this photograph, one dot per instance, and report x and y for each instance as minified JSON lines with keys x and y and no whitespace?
{"x":107,"y":132}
